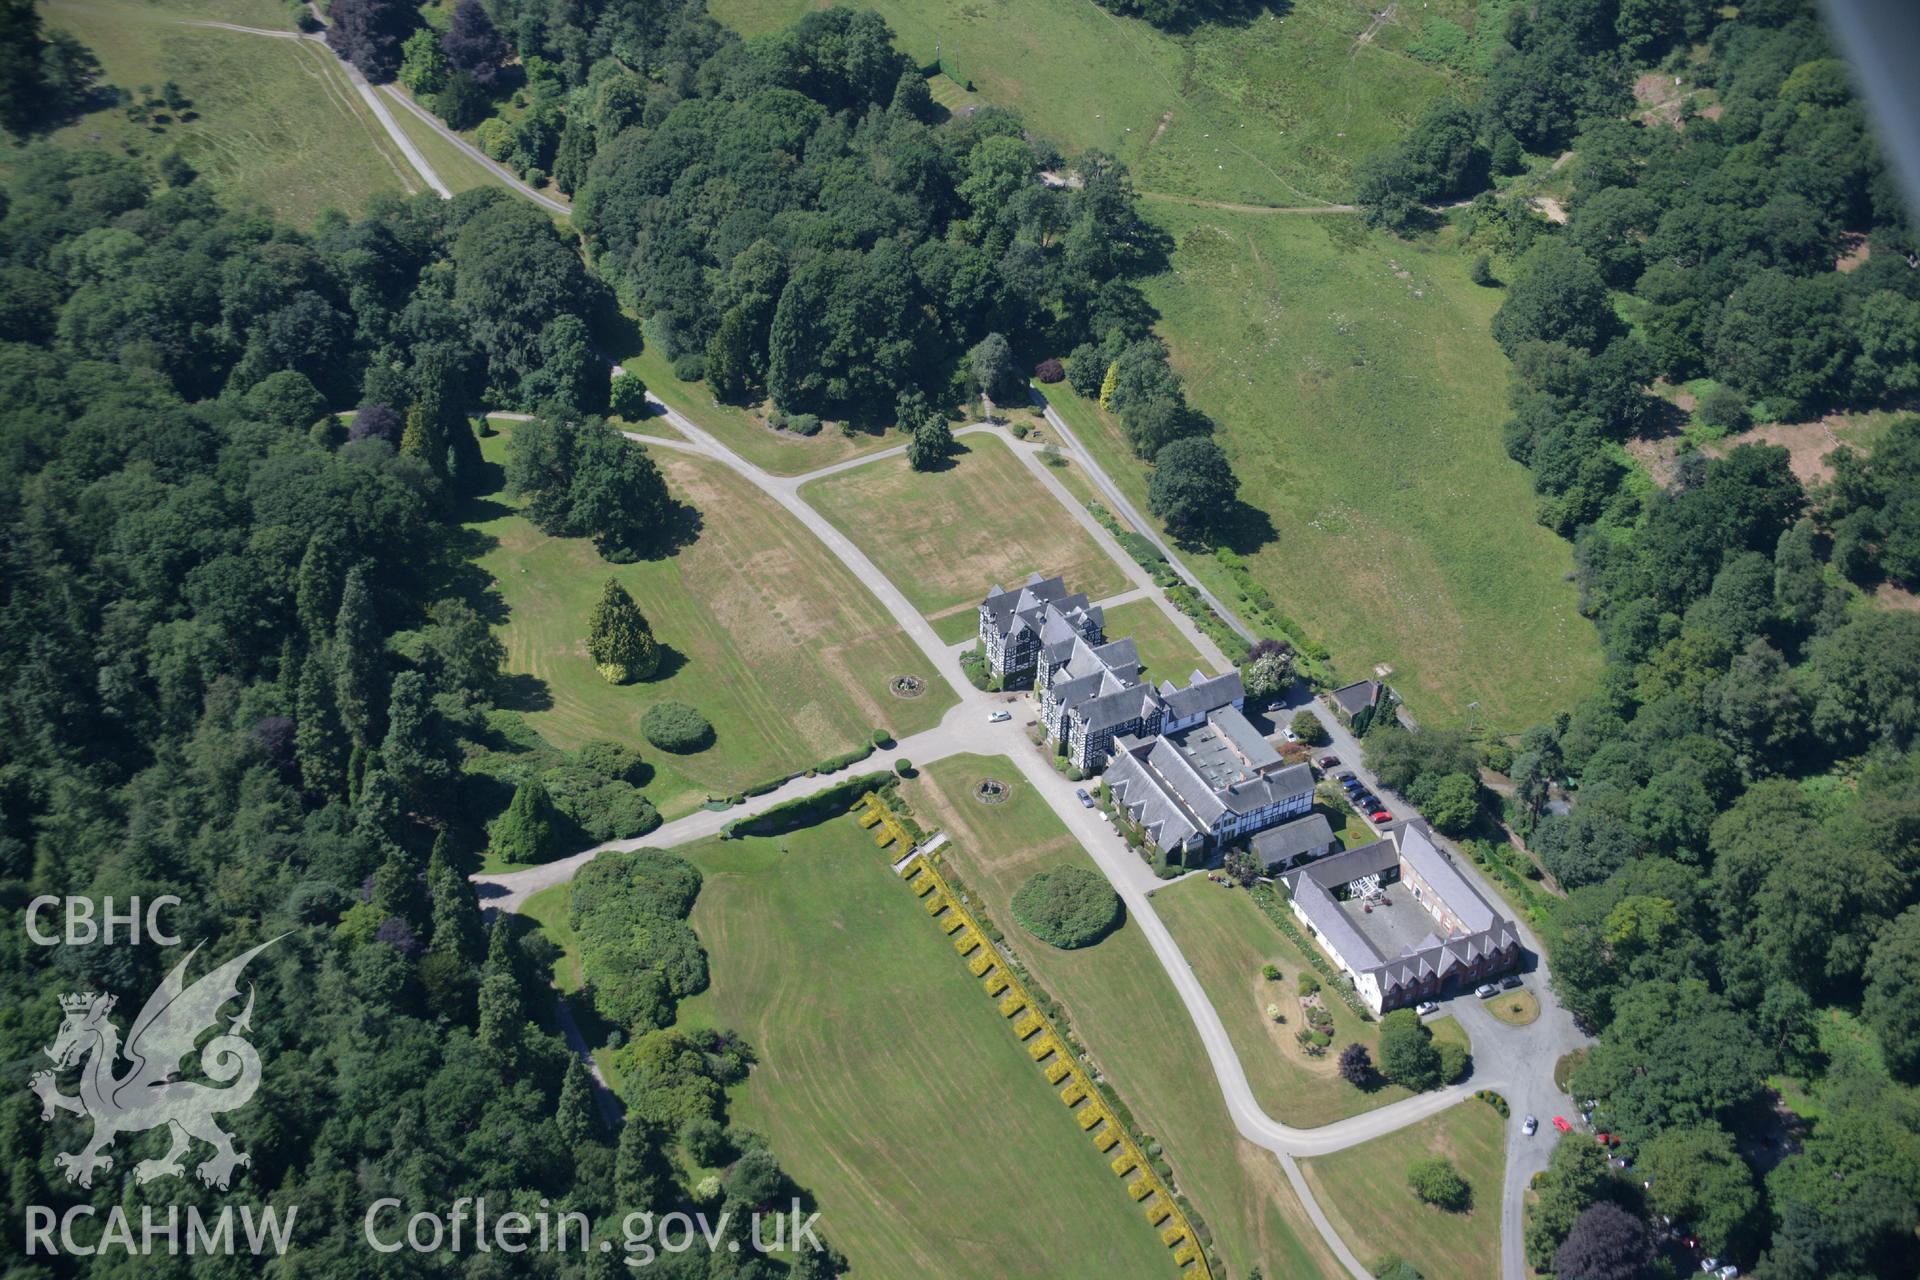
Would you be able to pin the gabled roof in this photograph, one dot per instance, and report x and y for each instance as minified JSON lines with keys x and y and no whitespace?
{"x":1291,"y":839}
{"x":1147,"y":799}
{"x":1356,"y":697}
{"x":1033,"y":605}
{"x":1203,"y":693}
{"x":1439,"y":871}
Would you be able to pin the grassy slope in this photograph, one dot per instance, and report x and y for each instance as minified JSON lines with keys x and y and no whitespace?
{"x":1360,"y":397}
{"x":1364,"y":1192}
{"x":776,"y":643}
{"x":944,"y":536}
{"x":276,"y":119}
{"x":779,"y":453}
{"x":888,"y":1083}
{"x":1124,"y":1008}
{"x":1272,"y":110}
{"x":1166,"y":654}
{"x":1227,"y":939}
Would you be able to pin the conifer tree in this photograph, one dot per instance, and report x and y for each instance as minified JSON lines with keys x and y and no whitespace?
{"x":530,"y":828}
{"x":359,"y":659}
{"x":574,"y":1114}
{"x":380,"y":812}
{"x":638,"y":1177}
{"x":456,"y":915}
{"x":317,"y":587}
{"x":501,"y":1019}
{"x":618,"y":639}
{"x":396,"y":886}
{"x":417,"y":753}
{"x":319,"y":740}
{"x":424,"y":437}
{"x":1108,"y":383}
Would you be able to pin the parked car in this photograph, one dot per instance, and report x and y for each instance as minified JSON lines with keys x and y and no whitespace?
{"x":1289,"y":734}
{"x":1487,"y":990}
{"x":1511,"y":981}
{"x":1329,"y":762}
{"x":997,"y":716}
{"x":1528,"y":1126}
{"x":1709,"y":1264}
{"x":1086,"y":800}
{"x":1728,"y":1271}
{"x":1346,"y":775}
{"x":1381,"y":815}
{"x":1426,"y":1007}
{"x":1560,"y":1123}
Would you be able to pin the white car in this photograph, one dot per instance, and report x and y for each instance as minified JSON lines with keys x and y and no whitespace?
{"x":1426,"y":1007}
{"x":1289,"y":734}
{"x":997,"y":716}
{"x":1529,"y":1125}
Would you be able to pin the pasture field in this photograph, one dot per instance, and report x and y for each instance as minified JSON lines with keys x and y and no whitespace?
{"x":274,"y":120}
{"x":1226,"y":938}
{"x":1365,"y":1195}
{"x":762,"y":631}
{"x":890,"y":1086}
{"x":1166,"y":654}
{"x":945,"y":536}
{"x":1354,"y":385}
{"x":1121,"y":1004}
{"x":778,"y":453}
{"x":1271,"y":108}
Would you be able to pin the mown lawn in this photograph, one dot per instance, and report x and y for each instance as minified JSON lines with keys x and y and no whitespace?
{"x":1364,"y":1192}
{"x":767,"y":635}
{"x":1227,"y":939}
{"x":1358,"y":393}
{"x":274,"y":120}
{"x":1272,"y":109}
{"x":944,"y":537}
{"x":889,"y":1085}
{"x":1166,"y":654}
{"x":1124,"y":1008}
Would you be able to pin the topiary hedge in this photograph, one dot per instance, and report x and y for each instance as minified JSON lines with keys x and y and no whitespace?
{"x":1067,"y":906}
{"x":676,"y":727}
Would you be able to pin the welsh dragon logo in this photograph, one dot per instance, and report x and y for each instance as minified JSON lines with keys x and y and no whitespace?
{"x":148,"y":1096}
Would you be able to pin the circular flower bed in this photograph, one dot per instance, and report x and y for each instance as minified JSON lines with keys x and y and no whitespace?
{"x":1067,"y":906}
{"x":908,"y":686}
{"x":991,"y":791}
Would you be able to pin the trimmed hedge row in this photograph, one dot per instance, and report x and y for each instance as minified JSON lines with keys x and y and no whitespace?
{"x":807,"y":810}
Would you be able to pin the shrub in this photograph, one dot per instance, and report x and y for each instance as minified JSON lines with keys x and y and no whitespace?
{"x":676,"y":727}
{"x":705,"y":1141}
{"x":1437,"y":1182}
{"x":1356,"y":1065}
{"x":1271,"y":972}
{"x":1481,"y":272}
{"x":1307,"y":984}
{"x":1724,"y":409}
{"x":881,"y":738}
{"x":1020,"y":430}
{"x":629,"y":397}
{"x":690,"y":367}
{"x":1049,"y":371}
{"x":1273,"y":1012}
{"x":1306,"y":726}
{"x":804,"y":424}
{"x":1067,"y":906}
{"x":1453,"y":1060}
{"x":531,"y":830}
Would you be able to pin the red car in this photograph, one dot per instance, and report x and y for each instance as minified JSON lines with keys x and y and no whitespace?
{"x":1381,"y":815}
{"x":1560,"y":1123}
{"x":1329,"y":762}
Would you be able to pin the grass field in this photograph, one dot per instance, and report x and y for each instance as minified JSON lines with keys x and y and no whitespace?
{"x":275,"y":120}
{"x":779,"y":453}
{"x":1123,"y":1006}
{"x":769,"y":637}
{"x":1227,"y":939}
{"x":944,"y":537}
{"x":1274,"y":109}
{"x":1364,"y":1193}
{"x":1360,"y":397}
{"x":1166,"y":654}
{"x":460,"y":171}
{"x":890,"y":1087}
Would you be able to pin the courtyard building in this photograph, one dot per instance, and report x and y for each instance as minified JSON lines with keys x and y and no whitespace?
{"x":1401,"y":920}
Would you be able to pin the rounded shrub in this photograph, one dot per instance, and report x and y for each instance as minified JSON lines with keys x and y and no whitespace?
{"x":1067,"y":906}
{"x":1049,"y":371}
{"x":676,"y":727}
{"x":903,"y":766}
{"x":690,"y":367}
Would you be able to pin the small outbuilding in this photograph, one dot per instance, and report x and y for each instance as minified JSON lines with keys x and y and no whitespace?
{"x":1301,"y":840}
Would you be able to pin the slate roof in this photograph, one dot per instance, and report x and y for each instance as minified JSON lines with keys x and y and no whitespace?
{"x":1202,"y":694}
{"x":1291,"y":839}
{"x":1356,"y":697}
{"x":1153,"y":805}
{"x":1035,"y":605}
{"x":1439,"y":871}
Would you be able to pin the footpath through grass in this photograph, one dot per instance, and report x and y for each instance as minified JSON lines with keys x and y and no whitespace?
{"x":1274,"y":107}
{"x":1357,"y":390}
{"x":1227,"y":940}
{"x":889,"y":1085}
{"x":764,"y":633}
{"x":1121,"y":1004}
{"x":945,"y":536}
{"x":273,"y":120}
{"x":1363,"y":1191}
